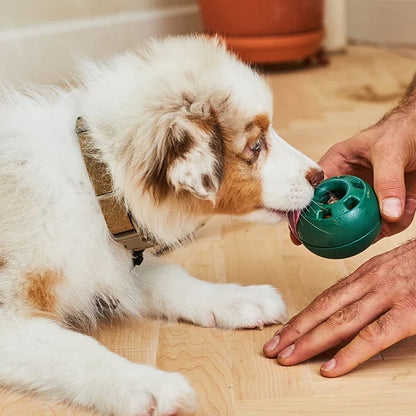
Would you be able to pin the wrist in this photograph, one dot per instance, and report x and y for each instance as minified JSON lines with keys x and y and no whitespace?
{"x":402,"y":118}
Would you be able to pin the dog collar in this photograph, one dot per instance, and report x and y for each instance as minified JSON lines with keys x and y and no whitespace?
{"x":120,"y":222}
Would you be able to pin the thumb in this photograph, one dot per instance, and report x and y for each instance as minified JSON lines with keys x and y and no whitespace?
{"x":389,"y":184}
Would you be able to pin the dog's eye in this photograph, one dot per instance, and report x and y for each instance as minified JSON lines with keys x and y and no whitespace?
{"x":257,"y":146}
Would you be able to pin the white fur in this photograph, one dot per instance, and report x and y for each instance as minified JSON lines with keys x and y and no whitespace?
{"x":291,"y":192}
{"x":50,"y":220}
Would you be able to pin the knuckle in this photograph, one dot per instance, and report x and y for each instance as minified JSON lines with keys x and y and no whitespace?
{"x":338,"y":318}
{"x":388,"y":183}
{"x":343,"y":316}
{"x":350,"y":282}
{"x":373,"y":332}
{"x":380,"y":146}
{"x":336,"y":148}
{"x":369,"y":334}
{"x":374,"y":268}
{"x":324,"y":300}
{"x":383,"y":147}
{"x":320,"y":304}
{"x":342,"y":283}
{"x":331,"y":296}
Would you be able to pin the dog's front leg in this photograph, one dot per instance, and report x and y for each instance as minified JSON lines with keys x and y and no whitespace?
{"x":169,"y":291}
{"x":39,"y":355}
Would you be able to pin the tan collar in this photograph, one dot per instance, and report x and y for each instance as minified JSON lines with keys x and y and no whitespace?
{"x":119,"y":221}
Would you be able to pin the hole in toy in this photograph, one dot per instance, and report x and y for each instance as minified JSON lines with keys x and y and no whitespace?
{"x":331,"y":197}
{"x":325,"y":214}
{"x":350,"y":203}
{"x":357,"y":184}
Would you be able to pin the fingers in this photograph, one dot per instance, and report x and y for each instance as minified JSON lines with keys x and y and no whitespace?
{"x":338,"y":328}
{"x":338,"y":296}
{"x":385,"y":331}
{"x":389,"y":183}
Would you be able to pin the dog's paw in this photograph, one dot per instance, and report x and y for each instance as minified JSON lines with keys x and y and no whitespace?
{"x":174,"y":396}
{"x":156,"y":393}
{"x":234,"y":306}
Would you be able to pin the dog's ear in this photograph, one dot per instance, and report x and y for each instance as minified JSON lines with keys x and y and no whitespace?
{"x":189,"y":156}
{"x":196,"y":154}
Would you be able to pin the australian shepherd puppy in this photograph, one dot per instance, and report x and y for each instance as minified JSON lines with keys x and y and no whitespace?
{"x":184,"y":130}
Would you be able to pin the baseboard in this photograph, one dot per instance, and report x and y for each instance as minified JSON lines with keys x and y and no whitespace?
{"x":47,"y":53}
{"x":382,"y":22}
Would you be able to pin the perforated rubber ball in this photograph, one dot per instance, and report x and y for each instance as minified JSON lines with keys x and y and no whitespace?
{"x":342,"y":220}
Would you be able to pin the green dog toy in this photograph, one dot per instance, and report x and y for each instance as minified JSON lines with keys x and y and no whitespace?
{"x":342,"y":220}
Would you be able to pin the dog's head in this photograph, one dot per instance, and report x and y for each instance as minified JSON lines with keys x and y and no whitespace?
{"x":194,"y":138}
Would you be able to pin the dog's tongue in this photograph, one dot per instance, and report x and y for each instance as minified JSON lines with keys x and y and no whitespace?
{"x":293,"y":218}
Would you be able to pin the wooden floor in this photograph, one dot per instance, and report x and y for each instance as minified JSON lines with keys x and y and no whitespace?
{"x":314,"y":109}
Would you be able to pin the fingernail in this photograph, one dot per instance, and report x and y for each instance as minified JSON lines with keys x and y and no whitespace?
{"x":329,"y":365}
{"x":287,"y":351}
{"x":392,"y":207}
{"x":410,"y":206}
{"x":271,"y":345}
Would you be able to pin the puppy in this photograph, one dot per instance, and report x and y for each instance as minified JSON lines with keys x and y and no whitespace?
{"x":181,"y":131}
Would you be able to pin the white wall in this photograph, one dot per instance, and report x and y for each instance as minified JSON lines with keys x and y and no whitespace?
{"x":335,"y":25}
{"x":383,"y":22}
{"x":40,"y":40}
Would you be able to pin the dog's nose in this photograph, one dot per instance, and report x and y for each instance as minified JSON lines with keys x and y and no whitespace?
{"x":314,"y":176}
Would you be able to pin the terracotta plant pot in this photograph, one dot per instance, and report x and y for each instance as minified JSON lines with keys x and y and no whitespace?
{"x":266,"y":31}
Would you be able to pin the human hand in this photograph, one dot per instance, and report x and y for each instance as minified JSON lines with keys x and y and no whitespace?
{"x":384,"y":155}
{"x":372,"y":308}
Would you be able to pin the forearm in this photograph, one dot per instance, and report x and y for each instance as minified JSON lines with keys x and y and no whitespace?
{"x":406,"y":109}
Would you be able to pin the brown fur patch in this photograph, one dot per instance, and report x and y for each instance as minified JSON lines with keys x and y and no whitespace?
{"x":256,"y":130}
{"x":262,"y":121}
{"x":178,"y":144}
{"x":204,"y":124}
{"x":207,"y":182}
{"x":3,"y":263}
{"x":39,"y":289}
{"x":241,"y":191}
{"x":156,"y":180}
